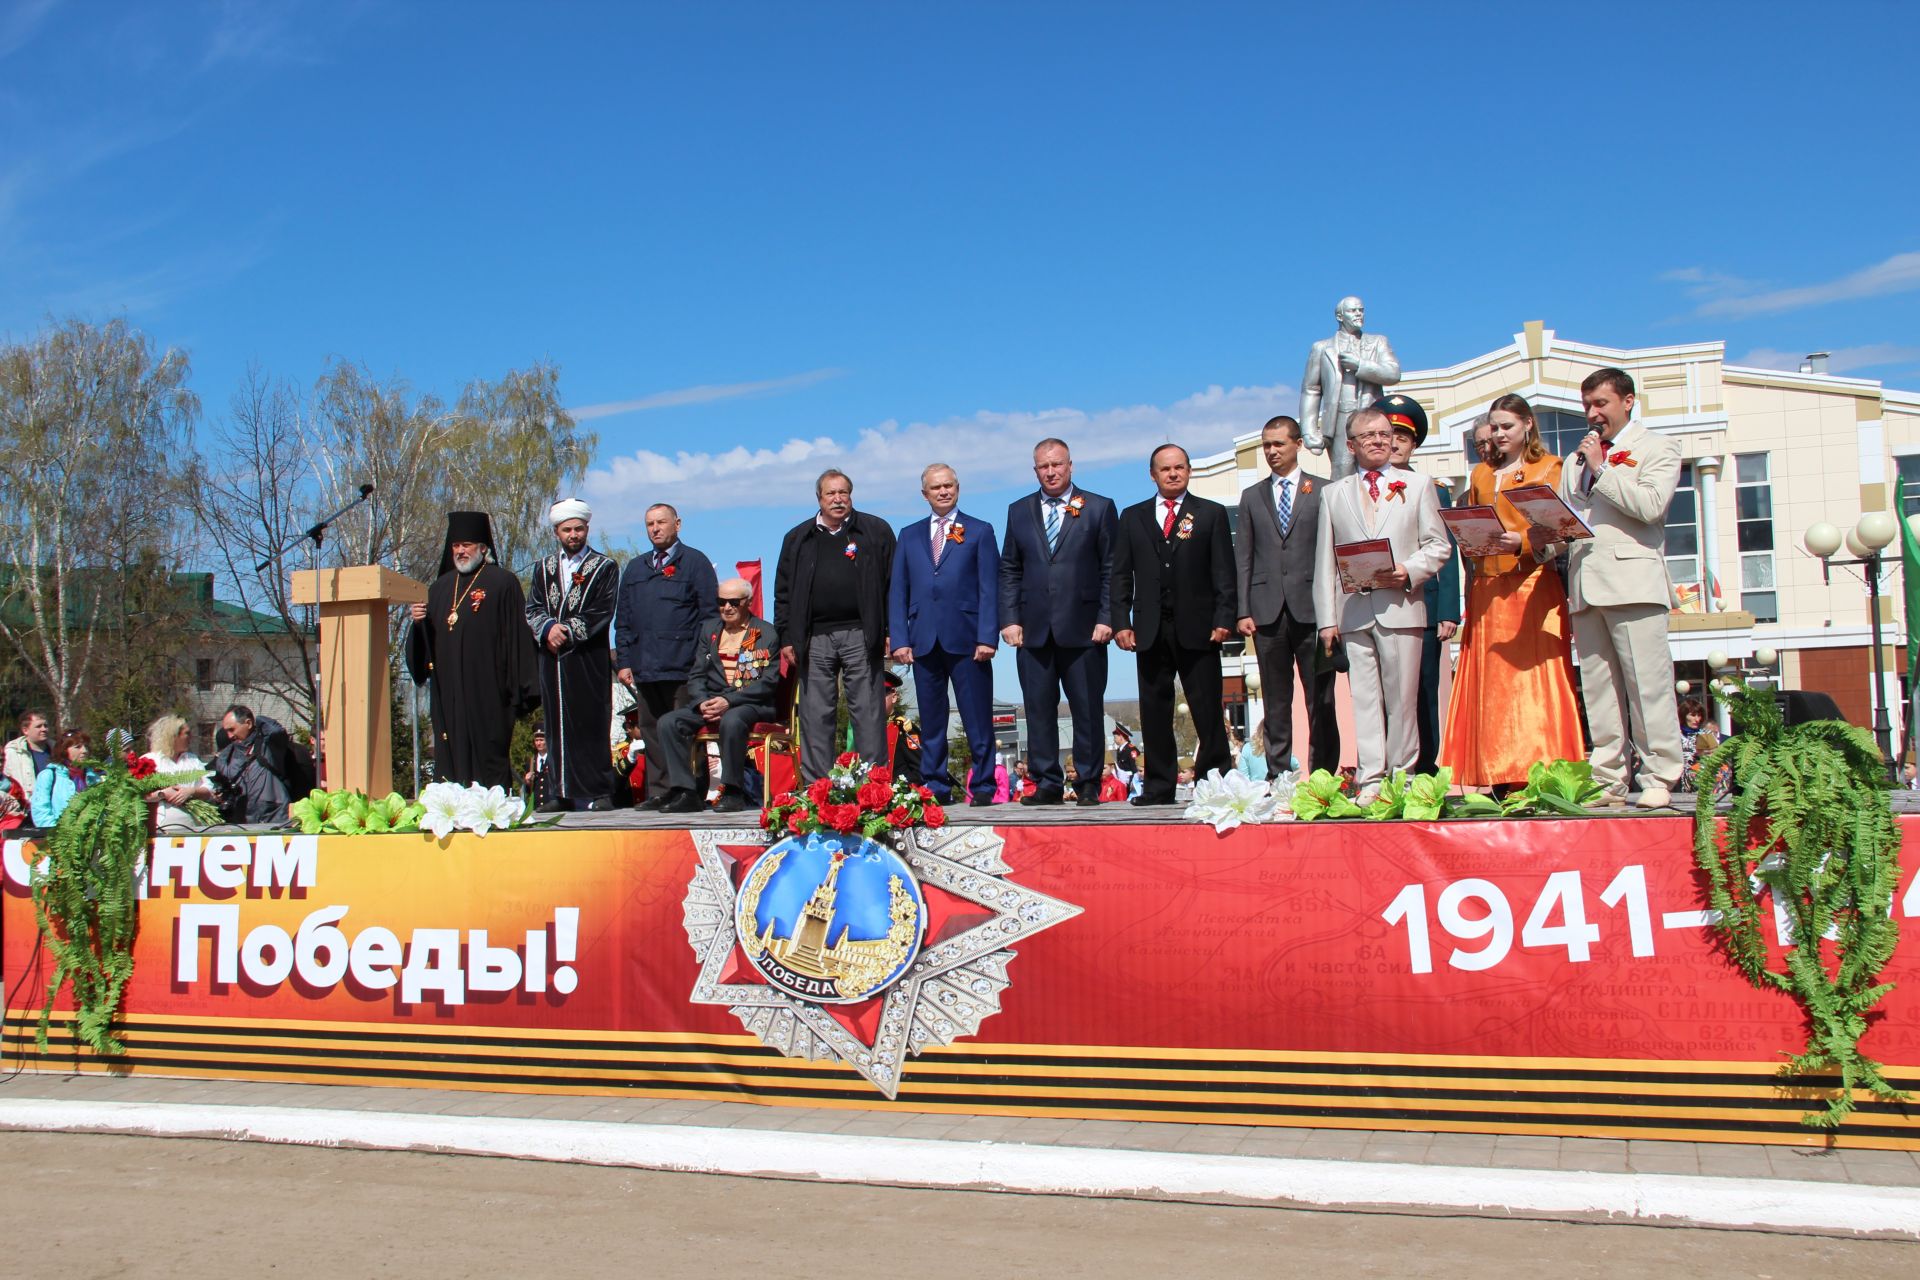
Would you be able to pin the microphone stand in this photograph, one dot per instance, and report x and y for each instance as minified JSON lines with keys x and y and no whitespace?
{"x":313,"y":537}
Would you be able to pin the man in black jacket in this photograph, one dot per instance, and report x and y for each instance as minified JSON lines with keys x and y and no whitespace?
{"x":734,"y":685}
{"x":830,"y":607}
{"x":1174,"y":603}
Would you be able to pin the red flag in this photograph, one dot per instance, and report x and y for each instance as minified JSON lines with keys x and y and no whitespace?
{"x":750,"y":570}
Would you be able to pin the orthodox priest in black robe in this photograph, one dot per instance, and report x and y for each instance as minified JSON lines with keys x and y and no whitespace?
{"x":470,"y":642}
{"x":570,"y":611}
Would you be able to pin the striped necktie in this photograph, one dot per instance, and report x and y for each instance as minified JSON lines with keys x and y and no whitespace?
{"x":939,"y":538}
{"x":1286,"y":505}
{"x":1053,"y":524}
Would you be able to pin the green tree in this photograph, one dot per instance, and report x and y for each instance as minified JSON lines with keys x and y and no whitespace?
{"x":515,"y":451}
{"x":95,"y":452}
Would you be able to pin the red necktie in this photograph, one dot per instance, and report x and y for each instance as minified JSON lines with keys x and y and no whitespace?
{"x":1373,"y":485}
{"x":1166,"y":530}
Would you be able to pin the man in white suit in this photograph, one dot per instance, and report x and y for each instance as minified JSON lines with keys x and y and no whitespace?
{"x":1381,"y":626}
{"x":1345,"y":373}
{"x":1621,"y":479}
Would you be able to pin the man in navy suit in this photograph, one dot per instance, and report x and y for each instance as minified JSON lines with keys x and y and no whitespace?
{"x":944,"y":617}
{"x":1056,"y":608}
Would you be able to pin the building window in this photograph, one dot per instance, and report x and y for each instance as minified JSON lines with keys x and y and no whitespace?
{"x":203,"y":674}
{"x":205,"y":731}
{"x":240,"y":673}
{"x":1909,"y":465}
{"x":1683,"y":534}
{"x":1753,"y":510}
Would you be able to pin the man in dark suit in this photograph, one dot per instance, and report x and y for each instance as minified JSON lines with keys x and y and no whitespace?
{"x":944,"y":618}
{"x":1273,"y":560}
{"x":830,"y":608}
{"x":665,"y":592}
{"x":1056,"y":608}
{"x":1442,"y":589}
{"x":1174,"y":603}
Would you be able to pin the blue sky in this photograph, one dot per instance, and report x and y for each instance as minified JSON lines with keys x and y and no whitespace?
{"x":762,"y":238}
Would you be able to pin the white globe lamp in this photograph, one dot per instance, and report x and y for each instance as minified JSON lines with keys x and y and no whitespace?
{"x":1823,"y":539}
{"x":1876,"y":529}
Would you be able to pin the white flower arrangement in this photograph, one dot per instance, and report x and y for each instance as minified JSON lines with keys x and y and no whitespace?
{"x":1229,"y":799}
{"x":452,"y":807}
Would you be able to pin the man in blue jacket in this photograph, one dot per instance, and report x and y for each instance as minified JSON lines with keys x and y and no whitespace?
{"x":1056,"y":608}
{"x":944,"y":618}
{"x":665,"y":593}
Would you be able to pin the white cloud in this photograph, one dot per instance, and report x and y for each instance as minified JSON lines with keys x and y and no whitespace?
{"x":990,"y":450}
{"x":1730,"y":296}
{"x":1842,"y":360}
{"x":255,"y":31}
{"x":704,"y":394}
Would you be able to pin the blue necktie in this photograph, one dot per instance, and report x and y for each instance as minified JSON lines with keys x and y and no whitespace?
{"x":1286,"y":506}
{"x":1053,"y":524}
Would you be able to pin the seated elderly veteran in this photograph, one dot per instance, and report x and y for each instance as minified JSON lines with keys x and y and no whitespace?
{"x":733,"y":686}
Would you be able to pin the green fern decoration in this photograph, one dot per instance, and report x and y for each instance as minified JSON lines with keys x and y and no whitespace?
{"x":1811,"y":822}
{"x":83,"y":894}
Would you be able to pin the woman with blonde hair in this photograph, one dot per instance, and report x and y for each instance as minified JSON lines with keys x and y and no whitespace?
{"x":1513,"y":700}
{"x":168,"y":740}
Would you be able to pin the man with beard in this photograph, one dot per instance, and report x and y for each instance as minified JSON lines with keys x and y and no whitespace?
{"x":570,"y":611}
{"x":470,"y":640}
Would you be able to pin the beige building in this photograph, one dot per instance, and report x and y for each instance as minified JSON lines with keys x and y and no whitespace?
{"x":1767,"y":455}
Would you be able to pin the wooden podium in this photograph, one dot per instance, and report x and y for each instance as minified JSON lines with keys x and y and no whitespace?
{"x":356,"y":688}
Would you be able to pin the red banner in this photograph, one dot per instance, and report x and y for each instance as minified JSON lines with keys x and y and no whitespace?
{"x":1563,"y":968}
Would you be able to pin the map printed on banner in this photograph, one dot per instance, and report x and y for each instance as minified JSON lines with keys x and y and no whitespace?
{"x":836,"y":948}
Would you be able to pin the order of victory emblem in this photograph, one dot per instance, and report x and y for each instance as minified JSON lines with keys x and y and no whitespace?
{"x":837,"y":948}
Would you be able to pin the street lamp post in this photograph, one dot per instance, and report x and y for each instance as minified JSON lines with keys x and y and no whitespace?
{"x":1866,"y":541}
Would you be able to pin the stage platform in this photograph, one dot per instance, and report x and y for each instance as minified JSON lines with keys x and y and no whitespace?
{"x":1544,"y":976}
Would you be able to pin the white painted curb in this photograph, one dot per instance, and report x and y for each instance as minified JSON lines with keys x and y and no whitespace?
{"x":1084,"y":1171}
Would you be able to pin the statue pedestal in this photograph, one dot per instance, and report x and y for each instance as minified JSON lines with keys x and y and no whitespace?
{"x":356,"y":684}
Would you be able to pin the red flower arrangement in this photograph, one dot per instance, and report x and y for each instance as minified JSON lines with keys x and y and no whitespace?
{"x":854,"y":798}
{"x":139,"y":766}
{"x":579,"y":576}
{"x":1621,"y":459}
{"x":670,"y":570}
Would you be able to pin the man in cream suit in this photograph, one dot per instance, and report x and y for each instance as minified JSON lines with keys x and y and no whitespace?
{"x":1345,"y":373}
{"x":1381,"y":626}
{"x":1621,"y":480}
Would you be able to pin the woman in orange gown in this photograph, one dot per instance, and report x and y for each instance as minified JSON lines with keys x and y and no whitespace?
{"x":1513,"y":700}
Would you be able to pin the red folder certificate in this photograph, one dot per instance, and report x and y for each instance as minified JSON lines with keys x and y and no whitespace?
{"x":1544,"y":507}
{"x":1477,"y":529}
{"x":1364,"y":565}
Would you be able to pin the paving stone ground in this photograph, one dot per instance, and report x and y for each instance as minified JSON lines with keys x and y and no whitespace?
{"x":1596,"y":1155}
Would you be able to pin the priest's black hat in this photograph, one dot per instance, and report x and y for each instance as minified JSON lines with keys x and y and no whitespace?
{"x":467,"y":526}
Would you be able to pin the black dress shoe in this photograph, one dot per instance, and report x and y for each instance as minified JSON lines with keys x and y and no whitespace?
{"x":1043,"y":797}
{"x":682,"y":802}
{"x":1088,"y":798}
{"x":730,"y":801}
{"x":654,"y":805}
{"x":1143,"y":800}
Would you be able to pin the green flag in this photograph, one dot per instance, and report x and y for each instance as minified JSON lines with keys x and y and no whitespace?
{"x":1910,"y":591}
{"x":1909,"y":575}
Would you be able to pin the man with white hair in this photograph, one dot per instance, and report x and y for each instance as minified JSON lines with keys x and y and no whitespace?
{"x":734,"y":685}
{"x":470,"y":641}
{"x":570,"y":611}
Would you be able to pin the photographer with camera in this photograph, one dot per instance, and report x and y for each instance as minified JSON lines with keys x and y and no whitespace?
{"x":259,"y":771}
